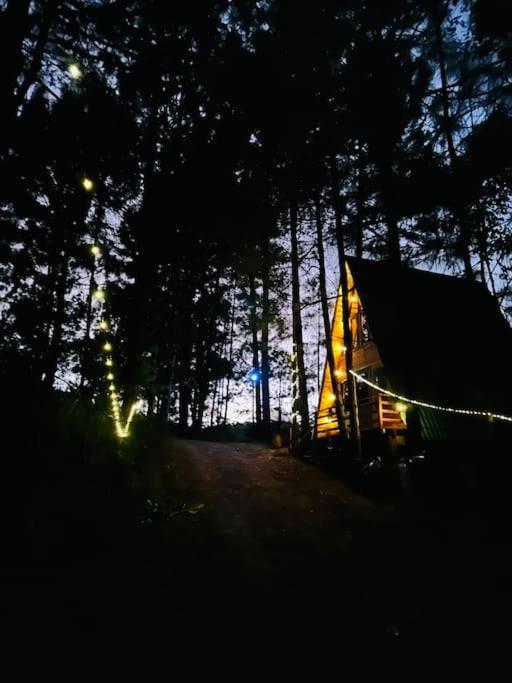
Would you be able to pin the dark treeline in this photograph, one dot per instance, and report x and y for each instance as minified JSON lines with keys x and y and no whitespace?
{"x":233,"y":145}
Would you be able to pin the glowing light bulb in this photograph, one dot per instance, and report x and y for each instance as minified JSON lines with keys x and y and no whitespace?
{"x":74,"y":71}
{"x":112,"y":387}
{"x":110,"y":376}
{"x":87,"y":184}
{"x":99,"y":294}
{"x":103,"y":325}
{"x":400,"y":407}
{"x":109,"y":363}
{"x":95,"y":250}
{"x":107,"y":346}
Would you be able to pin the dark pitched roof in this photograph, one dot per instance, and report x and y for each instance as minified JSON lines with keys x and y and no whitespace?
{"x":442,"y":339}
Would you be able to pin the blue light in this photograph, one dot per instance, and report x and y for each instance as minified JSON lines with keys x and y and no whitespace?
{"x":254,"y":376}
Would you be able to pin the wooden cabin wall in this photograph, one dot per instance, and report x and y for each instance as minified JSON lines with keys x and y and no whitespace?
{"x":364,"y":355}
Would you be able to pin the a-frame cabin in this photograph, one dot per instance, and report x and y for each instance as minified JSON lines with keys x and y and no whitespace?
{"x":435,"y":338}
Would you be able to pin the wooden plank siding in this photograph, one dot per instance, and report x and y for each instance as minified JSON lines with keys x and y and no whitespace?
{"x":376,"y":411}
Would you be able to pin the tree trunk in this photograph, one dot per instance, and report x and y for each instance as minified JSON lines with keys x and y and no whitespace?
{"x":388,"y":206}
{"x":151,"y":404}
{"x":165,"y":401}
{"x":185,"y":393}
{"x":200,"y":408}
{"x":144,"y":266}
{"x":201,"y":384}
{"x":184,"y":401}
{"x":16,"y":25}
{"x":38,"y":53}
{"x":359,"y":205}
{"x":300,"y":397}
{"x":265,"y":313}
{"x":355,"y":433}
{"x":55,"y":347}
{"x":464,"y":231}
{"x":220,"y":401}
{"x":85,"y":355}
{"x":193,"y":407}
{"x":255,"y":350}
{"x":336,"y":386}
{"x":214,"y":398}
{"x":230,"y":355}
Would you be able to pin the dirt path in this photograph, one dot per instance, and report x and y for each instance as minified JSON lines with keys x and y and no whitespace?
{"x":281,"y":546}
{"x":256,"y":548}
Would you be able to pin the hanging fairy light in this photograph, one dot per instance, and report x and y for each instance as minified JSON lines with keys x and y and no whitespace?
{"x":87,"y":184}
{"x":432,"y":406}
{"x":75,"y":71}
{"x":99,"y":295}
{"x":121,"y":431}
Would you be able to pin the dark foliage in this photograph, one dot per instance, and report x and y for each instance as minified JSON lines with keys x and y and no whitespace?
{"x":204,"y":128}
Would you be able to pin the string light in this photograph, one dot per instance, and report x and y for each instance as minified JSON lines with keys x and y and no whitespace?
{"x":432,"y":406}
{"x":74,"y":71}
{"x":124,"y":431}
{"x":99,"y":294}
{"x":121,"y":431}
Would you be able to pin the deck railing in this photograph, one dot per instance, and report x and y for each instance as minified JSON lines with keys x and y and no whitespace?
{"x":375,"y":412}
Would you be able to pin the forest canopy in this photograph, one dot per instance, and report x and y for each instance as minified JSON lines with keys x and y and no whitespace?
{"x":223,"y":156}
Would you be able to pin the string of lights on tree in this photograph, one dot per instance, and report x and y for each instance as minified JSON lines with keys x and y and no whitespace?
{"x":431,"y":406}
{"x":104,"y":328}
